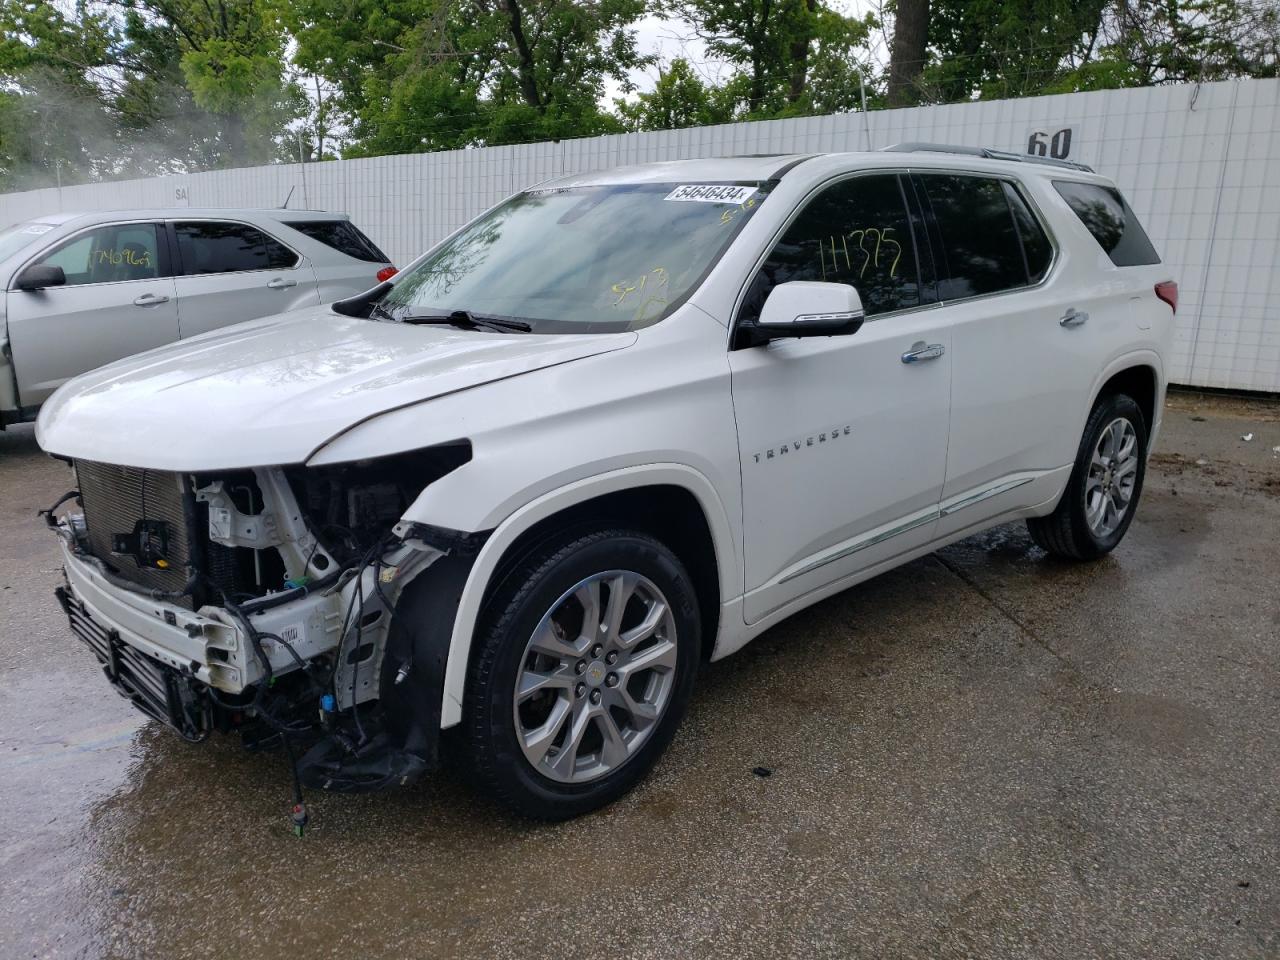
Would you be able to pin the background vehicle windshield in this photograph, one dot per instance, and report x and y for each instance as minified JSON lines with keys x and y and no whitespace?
{"x":13,"y":239}
{"x":582,"y":259}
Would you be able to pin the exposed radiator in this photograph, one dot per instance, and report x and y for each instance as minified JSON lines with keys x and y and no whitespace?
{"x":115,"y":500}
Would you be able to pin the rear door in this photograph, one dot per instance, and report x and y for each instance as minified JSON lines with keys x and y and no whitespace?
{"x":348,"y":261}
{"x":231,"y":271}
{"x":118,"y":300}
{"x":1032,"y":328}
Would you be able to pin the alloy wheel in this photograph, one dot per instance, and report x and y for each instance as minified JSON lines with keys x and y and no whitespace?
{"x":1113,"y":472}
{"x":595,"y":677}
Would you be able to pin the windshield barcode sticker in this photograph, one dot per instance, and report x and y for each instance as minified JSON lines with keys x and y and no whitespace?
{"x":711,"y":193}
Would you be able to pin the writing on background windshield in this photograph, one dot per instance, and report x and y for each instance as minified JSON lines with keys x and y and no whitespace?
{"x":582,"y":259}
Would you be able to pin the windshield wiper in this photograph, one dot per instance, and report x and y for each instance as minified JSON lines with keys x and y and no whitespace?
{"x":465,"y":318}
{"x":378,"y":310}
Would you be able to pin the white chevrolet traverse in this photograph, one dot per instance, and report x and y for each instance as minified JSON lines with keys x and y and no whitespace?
{"x":619,"y":424}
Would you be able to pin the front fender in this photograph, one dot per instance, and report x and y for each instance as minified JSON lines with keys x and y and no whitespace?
{"x":505,"y":534}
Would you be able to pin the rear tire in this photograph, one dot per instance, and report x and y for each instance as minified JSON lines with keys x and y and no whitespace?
{"x":572,"y":696}
{"x":1106,"y":482}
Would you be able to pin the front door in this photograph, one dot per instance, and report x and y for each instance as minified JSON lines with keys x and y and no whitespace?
{"x":843,"y":440}
{"x":118,"y":300}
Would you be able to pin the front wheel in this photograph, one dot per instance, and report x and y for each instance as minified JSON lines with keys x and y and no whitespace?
{"x":581,"y":675}
{"x":1102,"y":495}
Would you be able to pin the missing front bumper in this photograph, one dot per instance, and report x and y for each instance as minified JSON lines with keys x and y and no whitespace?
{"x":159,"y":691}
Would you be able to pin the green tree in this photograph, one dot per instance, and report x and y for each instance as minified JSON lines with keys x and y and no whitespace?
{"x":1177,"y":41}
{"x":1006,"y":48}
{"x":231,"y":54}
{"x":434,"y":74}
{"x":55,"y":122}
{"x":109,"y":88}
{"x":774,"y":46}
{"x":679,"y":98}
{"x":1014,"y":48}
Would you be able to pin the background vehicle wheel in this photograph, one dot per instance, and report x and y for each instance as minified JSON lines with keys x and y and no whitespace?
{"x":1102,"y":494}
{"x":582,"y":673}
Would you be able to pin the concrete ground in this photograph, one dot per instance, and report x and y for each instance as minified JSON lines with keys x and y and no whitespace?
{"x":983,"y":754}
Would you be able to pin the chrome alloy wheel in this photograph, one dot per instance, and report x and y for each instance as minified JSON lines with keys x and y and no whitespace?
{"x":595,"y":677}
{"x":1113,"y":472}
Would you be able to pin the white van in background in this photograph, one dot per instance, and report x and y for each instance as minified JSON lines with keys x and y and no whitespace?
{"x":85,"y":289}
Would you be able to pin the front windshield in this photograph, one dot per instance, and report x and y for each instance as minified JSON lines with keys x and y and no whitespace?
{"x":581,"y":259}
{"x":13,"y":239}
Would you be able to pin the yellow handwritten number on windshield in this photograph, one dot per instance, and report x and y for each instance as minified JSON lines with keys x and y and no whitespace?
{"x":654,"y":283}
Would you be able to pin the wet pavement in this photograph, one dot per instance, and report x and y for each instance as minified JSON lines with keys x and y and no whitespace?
{"x":984,"y":753}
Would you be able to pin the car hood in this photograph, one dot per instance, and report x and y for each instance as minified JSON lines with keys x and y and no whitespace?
{"x":274,"y":391}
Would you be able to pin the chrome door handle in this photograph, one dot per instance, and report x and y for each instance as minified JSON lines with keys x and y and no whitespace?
{"x":149,"y":300}
{"x":923,"y":351}
{"x":279,"y":283}
{"x":1073,"y":317}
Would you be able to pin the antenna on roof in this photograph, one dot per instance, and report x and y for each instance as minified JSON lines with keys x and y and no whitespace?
{"x":285,"y":205}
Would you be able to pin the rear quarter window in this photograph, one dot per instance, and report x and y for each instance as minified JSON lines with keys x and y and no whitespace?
{"x":1112,"y":222}
{"x":340,"y":235}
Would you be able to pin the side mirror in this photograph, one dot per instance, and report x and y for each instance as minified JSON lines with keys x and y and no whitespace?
{"x":804,"y":308}
{"x":40,"y":276}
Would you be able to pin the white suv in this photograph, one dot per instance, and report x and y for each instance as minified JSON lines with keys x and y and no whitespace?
{"x":620,"y":424}
{"x":78,"y":290}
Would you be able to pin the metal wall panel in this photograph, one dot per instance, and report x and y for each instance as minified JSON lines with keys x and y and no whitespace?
{"x":1199,"y":163}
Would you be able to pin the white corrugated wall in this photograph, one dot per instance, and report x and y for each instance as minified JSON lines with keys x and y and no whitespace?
{"x":1199,"y":163}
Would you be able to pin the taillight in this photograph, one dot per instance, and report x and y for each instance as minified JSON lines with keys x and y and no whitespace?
{"x":386,"y":273}
{"x":1168,"y":292}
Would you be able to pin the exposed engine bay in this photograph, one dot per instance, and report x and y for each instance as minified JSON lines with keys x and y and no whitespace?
{"x":266,"y":602}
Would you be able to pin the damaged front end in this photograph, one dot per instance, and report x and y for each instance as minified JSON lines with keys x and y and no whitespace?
{"x":275,"y":602}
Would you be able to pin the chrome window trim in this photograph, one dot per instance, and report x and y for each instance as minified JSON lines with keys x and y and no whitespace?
{"x":174,"y":221}
{"x":63,"y":241}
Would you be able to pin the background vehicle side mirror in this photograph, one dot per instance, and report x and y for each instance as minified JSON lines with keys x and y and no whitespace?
{"x":40,"y":276}
{"x":804,"y":308}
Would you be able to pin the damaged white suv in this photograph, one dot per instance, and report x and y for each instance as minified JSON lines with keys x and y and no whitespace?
{"x":618,"y":425}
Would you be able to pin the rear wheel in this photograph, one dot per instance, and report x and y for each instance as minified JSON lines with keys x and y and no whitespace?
{"x":1106,"y":482}
{"x":583,"y":673}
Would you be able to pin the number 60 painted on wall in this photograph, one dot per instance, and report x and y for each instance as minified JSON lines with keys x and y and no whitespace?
{"x":1056,"y":145}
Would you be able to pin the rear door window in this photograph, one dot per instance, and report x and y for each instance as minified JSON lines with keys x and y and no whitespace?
{"x":109,"y":254}
{"x":981,"y":251}
{"x":1035,"y":242}
{"x":343,"y":236}
{"x":1112,"y":222}
{"x":223,"y":247}
{"x":854,"y":232}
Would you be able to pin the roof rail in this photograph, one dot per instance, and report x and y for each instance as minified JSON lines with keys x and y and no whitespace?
{"x":987,"y":152}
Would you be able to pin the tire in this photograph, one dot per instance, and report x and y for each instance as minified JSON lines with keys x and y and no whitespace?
{"x":1074,"y":530}
{"x":573,"y":743}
